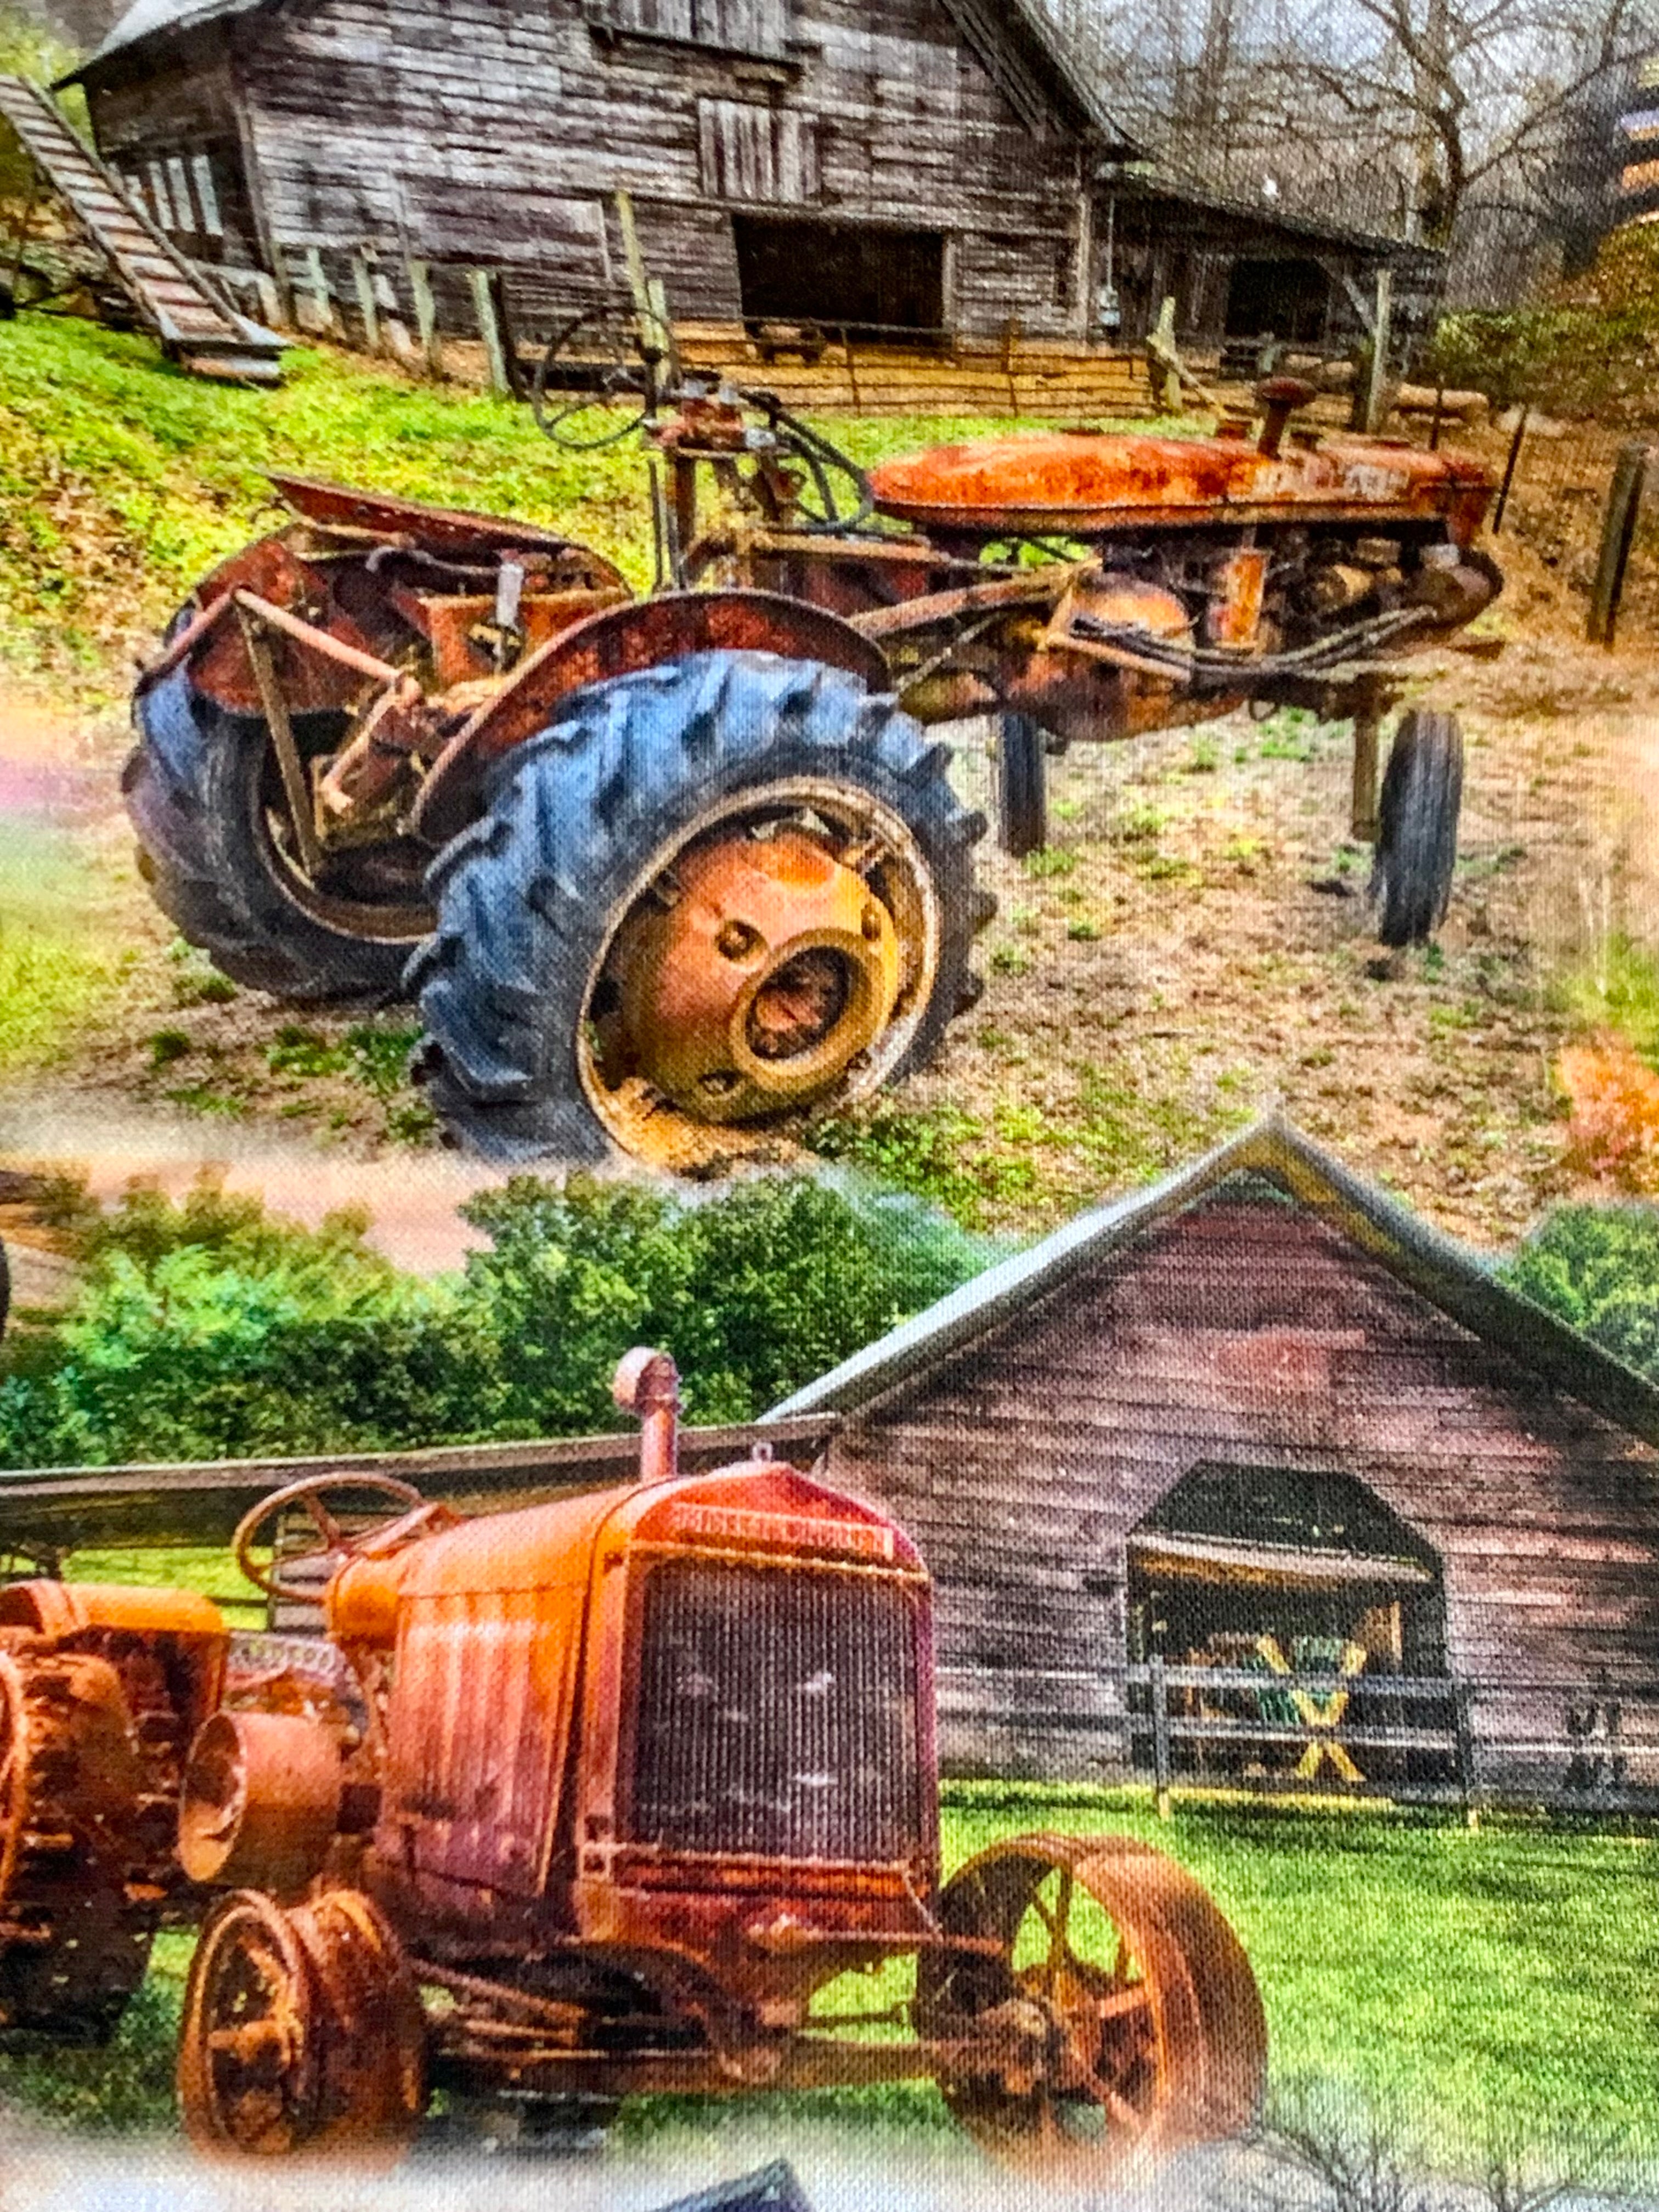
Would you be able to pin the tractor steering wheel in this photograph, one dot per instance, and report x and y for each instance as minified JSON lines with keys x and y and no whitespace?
{"x":332,"y":1538}
{"x":599,"y":378}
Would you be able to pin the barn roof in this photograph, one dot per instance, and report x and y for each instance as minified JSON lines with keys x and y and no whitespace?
{"x":1455,"y":1277}
{"x":1023,"y":52}
{"x":150,"y":19}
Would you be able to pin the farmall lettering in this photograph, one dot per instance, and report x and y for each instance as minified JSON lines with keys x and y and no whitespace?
{"x":664,"y":874}
{"x":592,"y":1798}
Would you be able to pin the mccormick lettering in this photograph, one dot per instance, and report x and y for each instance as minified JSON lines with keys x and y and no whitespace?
{"x":865,"y":1539}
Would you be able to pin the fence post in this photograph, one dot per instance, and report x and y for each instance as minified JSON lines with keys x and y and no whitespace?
{"x":1463,"y":1721}
{"x":1159,"y":1692}
{"x":426,"y":315}
{"x":368,"y":307}
{"x":1618,"y":533}
{"x":1010,"y":349}
{"x":483,"y":306}
{"x":317,"y":290}
{"x":1510,"y":466}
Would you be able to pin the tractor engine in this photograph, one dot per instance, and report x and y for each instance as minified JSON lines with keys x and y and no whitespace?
{"x":660,"y":1755}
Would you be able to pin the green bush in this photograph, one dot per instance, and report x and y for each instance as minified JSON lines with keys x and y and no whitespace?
{"x":206,"y":1328}
{"x":1597,"y":1266}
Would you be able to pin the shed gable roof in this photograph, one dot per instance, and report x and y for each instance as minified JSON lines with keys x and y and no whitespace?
{"x":1450,"y":1275}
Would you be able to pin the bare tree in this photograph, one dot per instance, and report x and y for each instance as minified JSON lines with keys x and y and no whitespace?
{"x":1397,"y":114}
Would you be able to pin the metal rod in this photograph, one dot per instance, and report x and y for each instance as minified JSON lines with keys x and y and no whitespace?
{"x":294,"y":785}
{"x":332,"y":648}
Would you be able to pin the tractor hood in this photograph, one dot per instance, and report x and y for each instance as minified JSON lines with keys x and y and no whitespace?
{"x":1085,"y":482}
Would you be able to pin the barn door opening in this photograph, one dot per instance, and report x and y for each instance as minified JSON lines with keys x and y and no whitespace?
{"x":807,"y":271}
{"x":1289,"y":1575}
{"x":1288,"y":299}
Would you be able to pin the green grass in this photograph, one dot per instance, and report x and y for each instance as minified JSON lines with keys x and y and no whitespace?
{"x":123,"y":480}
{"x":1462,"y":1987}
{"x":57,"y":965}
{"x":208,"y":1569}
{"x":1621,"y":992}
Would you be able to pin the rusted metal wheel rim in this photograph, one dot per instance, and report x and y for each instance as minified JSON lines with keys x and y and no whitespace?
{"x":248,"y":2080}
{"x":373,"y":2056}
{"x":865,"y":835}
{"x":1118,"y":2016}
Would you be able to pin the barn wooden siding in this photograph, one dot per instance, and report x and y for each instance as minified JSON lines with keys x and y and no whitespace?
{"x":1248,"y":1331}
{"x":475,"y":131}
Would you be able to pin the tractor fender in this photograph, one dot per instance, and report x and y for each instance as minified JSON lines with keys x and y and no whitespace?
{"x":622,"y":642}
{"x":209,"y":640}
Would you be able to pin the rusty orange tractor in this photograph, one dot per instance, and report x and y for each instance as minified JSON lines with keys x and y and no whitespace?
{"x":664,"y":873}
{"x":609,"y":1794}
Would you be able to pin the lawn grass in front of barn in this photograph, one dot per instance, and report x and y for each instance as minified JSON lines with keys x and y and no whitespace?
{"x":1463,"y":1987}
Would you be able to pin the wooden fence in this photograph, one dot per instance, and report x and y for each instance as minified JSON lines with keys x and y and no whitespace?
{"x":1403,"y":1738}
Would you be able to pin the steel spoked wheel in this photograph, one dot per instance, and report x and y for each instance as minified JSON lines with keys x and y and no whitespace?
{"x":1417,"y":815}
{"x":593,"y":383}
{"x":1107,"y":2009}
{"x":248,"y":2076}
{"x":301,"y":2033}
{"x":728,"y":892}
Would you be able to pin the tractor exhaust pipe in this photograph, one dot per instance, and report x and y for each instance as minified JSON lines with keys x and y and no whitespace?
{"x":648,"y":1384}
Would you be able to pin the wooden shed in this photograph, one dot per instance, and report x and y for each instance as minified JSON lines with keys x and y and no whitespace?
{"x":907,"y":164}
{"x":1261,"y":1420}
{"x":904,"y":169}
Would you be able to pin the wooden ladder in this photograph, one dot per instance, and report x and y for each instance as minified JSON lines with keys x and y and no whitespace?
{"x":196,"y":325}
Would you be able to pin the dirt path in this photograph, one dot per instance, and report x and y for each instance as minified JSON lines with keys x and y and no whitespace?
{"x":1193,"y":948}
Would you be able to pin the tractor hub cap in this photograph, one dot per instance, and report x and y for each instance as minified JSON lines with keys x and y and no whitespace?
{"x":757,"y":976}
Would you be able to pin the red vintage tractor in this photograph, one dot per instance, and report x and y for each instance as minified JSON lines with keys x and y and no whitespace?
{"x":663,"y":873}
{"x":600,"y":1796}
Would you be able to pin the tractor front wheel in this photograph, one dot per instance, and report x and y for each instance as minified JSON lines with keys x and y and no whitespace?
{"x":1105,"y":2009}
{"x":1416,"y":828}
{"x":303,"y":2031}
{"x":724,"y":892}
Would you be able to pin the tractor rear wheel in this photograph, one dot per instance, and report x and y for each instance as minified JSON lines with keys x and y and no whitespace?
{"x":75,"y":1925}
{"x":726,"y":890}
{"x":1117,"y":2013}
{"x":216,"y":848}
{"x":1416,"y":828}
{"x":303,"y":2031}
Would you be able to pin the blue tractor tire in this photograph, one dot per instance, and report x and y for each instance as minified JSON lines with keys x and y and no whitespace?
{"x":580,"y":820}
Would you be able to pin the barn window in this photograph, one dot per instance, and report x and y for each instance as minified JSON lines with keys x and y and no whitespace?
{"x":743,"y":26}
{"x":747,"y":152}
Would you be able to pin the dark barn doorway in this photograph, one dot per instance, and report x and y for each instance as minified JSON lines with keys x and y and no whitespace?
{"x":840,"y":273}
{"x":1286,"y":299}
{"x":1288,"y":1574}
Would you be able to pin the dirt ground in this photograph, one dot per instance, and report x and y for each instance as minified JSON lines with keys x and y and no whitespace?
{"x":1191,"y":949}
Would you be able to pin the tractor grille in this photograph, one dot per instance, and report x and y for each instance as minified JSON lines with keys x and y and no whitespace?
{"x":777,"y":1714}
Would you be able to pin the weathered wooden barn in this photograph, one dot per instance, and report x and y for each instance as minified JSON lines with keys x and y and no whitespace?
{"x":901,"y":166}
{"x":1261,"y":1417}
